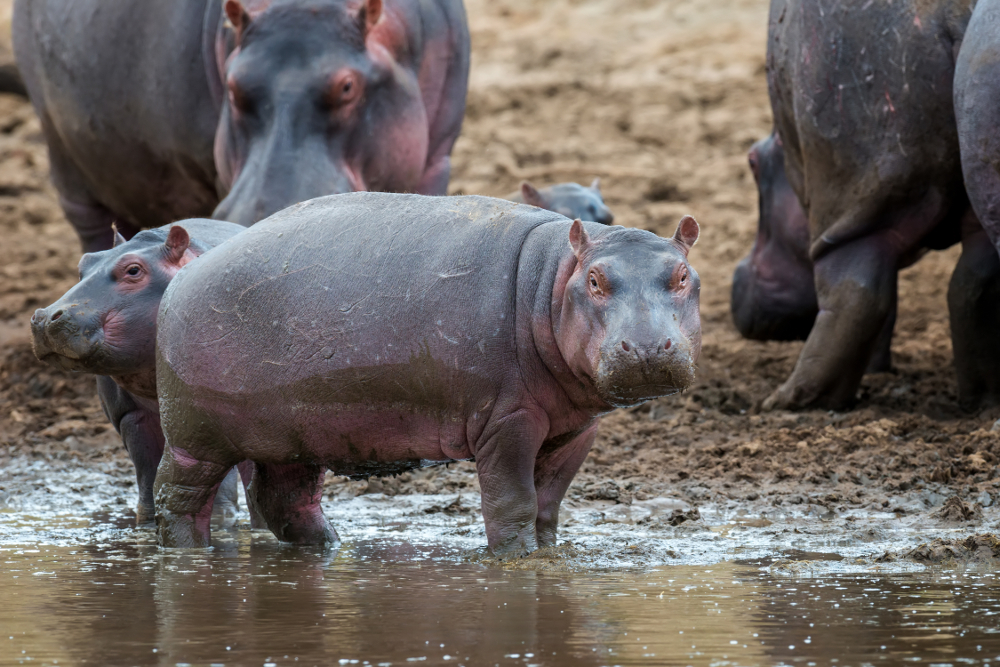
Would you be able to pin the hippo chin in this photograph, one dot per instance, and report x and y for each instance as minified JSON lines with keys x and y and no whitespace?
{"x":106,"y":325}
{"x":459,"y":328}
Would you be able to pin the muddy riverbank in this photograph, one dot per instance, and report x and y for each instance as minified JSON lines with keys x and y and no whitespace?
{"x":661,"y":100}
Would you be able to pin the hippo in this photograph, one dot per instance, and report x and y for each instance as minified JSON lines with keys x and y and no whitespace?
{"x":158,"y":111}
{"x":870,"y":148}
{"x":106,"y":325}
{"x":372,"y":333}
{"x":569,"y":199}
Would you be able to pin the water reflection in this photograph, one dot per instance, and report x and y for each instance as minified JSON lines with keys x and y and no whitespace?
{"x":251,"y":601}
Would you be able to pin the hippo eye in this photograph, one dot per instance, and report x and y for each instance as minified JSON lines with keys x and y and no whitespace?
{"x":133,"y":270}
{"x":345,"y":89}
{"x":596,"y":284}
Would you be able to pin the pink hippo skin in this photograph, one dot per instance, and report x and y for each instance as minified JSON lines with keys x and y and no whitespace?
{"x":374,"y":333}
{"x":106,"y":325}
{"x":158,"y":111}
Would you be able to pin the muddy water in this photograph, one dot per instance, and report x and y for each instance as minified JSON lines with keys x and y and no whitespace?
{"x":94,"y":591}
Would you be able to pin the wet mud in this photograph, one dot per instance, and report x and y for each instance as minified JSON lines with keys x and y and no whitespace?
{"x":886,"y":510}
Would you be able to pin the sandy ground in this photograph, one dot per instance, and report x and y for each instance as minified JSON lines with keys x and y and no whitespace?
{"x":661,"y":99}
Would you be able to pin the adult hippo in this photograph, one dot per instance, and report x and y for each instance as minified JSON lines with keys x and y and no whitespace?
{"x":157,"y":111}
{"x":862,"y":100}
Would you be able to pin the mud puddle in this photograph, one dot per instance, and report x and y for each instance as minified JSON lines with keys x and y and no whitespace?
{"x":411,"y":584}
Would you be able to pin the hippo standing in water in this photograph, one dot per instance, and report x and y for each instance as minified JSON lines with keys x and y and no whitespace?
{"x":862,"y":101}
{"x":373,"y":333}
{"x":106,"y":325}
{"x":156,"y":111}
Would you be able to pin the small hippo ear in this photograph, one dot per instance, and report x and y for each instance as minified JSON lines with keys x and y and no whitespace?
{"x":368,"y":14}
{"x":531,"y":195}
{"x":238,"y":17}
{"x":687,"y":233}
{"x":176,"y":245}
{"x":596,"y":185}
{"x":579,"y":240}
{"x":119,"y":239}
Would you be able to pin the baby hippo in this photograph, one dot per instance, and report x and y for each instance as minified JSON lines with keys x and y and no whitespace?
{"x":106,"y":325}
{"x":372,"y":333}
{"x":570,"y":199}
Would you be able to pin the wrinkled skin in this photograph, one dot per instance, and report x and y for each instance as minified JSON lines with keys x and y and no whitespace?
{"x":773,"y":294}
{"x":106,"y":325}
{"x":877,"y":169}
{"x":489,"y":331}
{"x":155,"y":112}
{"x":570,"y":199}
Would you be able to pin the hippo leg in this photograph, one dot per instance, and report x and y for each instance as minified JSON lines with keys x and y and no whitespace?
{"x":881,"y":361}
{"x":855,"y":286}
{"x":185,"y":493}
{"x":246,"y":469}
{"x":142,"y":436}
{"x":288,"y":498}
{"x":974,"y":309}
{"x":555,"y":467}
{"x":506,"y":468}
{"x":227,"y":504}
{"x":91,"y":220}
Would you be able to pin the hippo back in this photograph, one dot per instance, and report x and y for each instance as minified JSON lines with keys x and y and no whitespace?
{"x":348,"y":289}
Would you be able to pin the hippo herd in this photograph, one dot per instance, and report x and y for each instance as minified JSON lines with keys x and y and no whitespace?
{"x":275,"y":283}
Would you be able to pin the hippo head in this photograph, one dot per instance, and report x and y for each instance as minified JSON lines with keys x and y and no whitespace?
{"x":629,"y":321}
{"x":774,"y":297}
{"x":570,"y":199}
{"x":106,"y":324}
{"x":315,"y":105}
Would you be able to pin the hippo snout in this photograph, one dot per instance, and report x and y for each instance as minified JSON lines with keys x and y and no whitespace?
{"x":59,"y":338}
{"x":629,"y":372}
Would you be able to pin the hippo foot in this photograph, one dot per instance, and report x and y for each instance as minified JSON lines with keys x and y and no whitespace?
{"x":319,"y":532}
{"x":518,"y":547}
{"x":791,"y":397}
{"x":145,"y":516}
{"x":177,"y":531}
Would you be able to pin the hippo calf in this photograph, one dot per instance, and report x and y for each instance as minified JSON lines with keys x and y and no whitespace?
{"x":374,"y":333}
{"x":570,"y":199}
{"x":106,"y":325}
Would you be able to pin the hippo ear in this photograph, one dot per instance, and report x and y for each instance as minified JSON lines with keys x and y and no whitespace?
{"x":596,"y":185}
{"x":579,"y":240}
{"x":238,"y":16}
{"x":687,"y":233}
{"x":368,"y":14}
{"x":119,"y":239}
{"x":176,"y":246}
{"x":531,"y":195}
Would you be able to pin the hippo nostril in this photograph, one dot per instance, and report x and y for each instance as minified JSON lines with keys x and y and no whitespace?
{"x":626,"y":346}
{"x":666,"y":346}
{"x":56,"y":315}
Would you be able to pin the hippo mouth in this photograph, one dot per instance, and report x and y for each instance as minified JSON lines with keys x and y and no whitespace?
{"x":68,"y":353}
{"x":628,"y":386}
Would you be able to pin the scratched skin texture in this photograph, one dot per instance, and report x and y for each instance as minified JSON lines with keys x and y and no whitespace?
{"x":977,"y":110}
{"x":106,"y":325}
{"x":570,"y":199}
{"x":373,"y":333}
{"x":861,"y":93}
{"x":158,"y":111}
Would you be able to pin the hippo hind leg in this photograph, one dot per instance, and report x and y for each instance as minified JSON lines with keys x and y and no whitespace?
{"x":287,"y":497}
{"x":185,"y":493}
{"x":555,"y":468}
{"x":974,"y":311}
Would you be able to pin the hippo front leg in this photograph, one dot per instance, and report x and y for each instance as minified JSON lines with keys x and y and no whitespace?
{"x":555,"y":468}
{"x":506,"y":468}
{"x":855,"y":286}
{"x":287,"y":497}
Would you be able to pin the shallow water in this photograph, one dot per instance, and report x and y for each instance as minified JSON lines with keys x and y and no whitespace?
{"x":95,"y":591}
